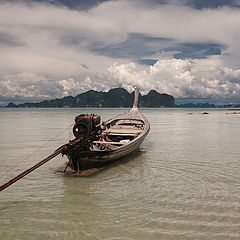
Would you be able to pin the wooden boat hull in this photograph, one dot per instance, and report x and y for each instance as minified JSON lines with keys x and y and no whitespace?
{"x":121,"y":136}
{"x":96,"y":159}
{"x":96,"y":145}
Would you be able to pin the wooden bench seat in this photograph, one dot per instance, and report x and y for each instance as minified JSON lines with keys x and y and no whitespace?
{"x":103,"y":142}
{"x":124,"y":131}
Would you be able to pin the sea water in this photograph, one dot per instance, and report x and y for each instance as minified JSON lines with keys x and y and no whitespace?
{"x":183,"y":183}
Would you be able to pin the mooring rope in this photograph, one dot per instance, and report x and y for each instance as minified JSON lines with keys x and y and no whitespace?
{"x":38,"y":149}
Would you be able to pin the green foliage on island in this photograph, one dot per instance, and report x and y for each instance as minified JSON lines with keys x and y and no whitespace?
{"x":117,"y":97}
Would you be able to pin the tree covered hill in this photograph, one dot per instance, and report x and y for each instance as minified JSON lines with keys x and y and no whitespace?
{"x":117,"y":97}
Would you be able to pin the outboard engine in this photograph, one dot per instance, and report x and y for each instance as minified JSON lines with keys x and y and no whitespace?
{"x":86,"y":129}
{"x":87,"y":126}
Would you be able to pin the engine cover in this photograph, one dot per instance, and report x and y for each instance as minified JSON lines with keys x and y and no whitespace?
{"x":86,"y":125}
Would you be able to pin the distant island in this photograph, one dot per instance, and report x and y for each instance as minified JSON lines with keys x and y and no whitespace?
{"x":117,"y":97}
{"x":207,"y":105}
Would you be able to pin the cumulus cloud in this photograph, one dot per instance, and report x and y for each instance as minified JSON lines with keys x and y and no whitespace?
{"x":52,"y":51}
{"x":203,"y":79}
{"x":28,"y":87}
{"x":207,"y":79}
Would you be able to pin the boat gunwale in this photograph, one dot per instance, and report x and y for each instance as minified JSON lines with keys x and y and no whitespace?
{"x":137,"y":139}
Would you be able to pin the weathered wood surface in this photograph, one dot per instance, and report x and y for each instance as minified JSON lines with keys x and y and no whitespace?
{"x":104,"y":142}
{"x":123,"y":130}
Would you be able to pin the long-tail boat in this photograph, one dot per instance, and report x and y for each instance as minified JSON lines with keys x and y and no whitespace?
{"x":97,"y":144}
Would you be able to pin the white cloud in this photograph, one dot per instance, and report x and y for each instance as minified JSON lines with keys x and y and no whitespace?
{"x":29,"y":86}
{"x":51,"y":53}
{"x":40,"y":28}
{"x":73,"y":87}
{"x":206,"y":78}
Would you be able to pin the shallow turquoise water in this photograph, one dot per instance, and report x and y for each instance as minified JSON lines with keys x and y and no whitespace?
{"x":183,"y":183}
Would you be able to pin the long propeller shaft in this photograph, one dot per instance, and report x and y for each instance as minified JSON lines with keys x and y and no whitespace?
{"x":29,"y":170}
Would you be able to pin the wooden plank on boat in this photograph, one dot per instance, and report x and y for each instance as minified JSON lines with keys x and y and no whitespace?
{"x":103,"y":142}
{"x":125,"y":126}
{"x":123,"y":131}
{"x":122,"y":134}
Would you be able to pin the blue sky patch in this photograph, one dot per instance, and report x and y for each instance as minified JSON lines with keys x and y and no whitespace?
{"x":196,"y":50}
{"x":136,"y":46}
{"x":140,"y":46}
{"x":87,"y":4}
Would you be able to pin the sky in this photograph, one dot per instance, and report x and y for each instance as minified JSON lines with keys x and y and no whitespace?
{"x":55,"y":48}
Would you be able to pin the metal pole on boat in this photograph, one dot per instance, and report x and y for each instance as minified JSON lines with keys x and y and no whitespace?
{"x":135,"y":104}
{"x":26,"y":172}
